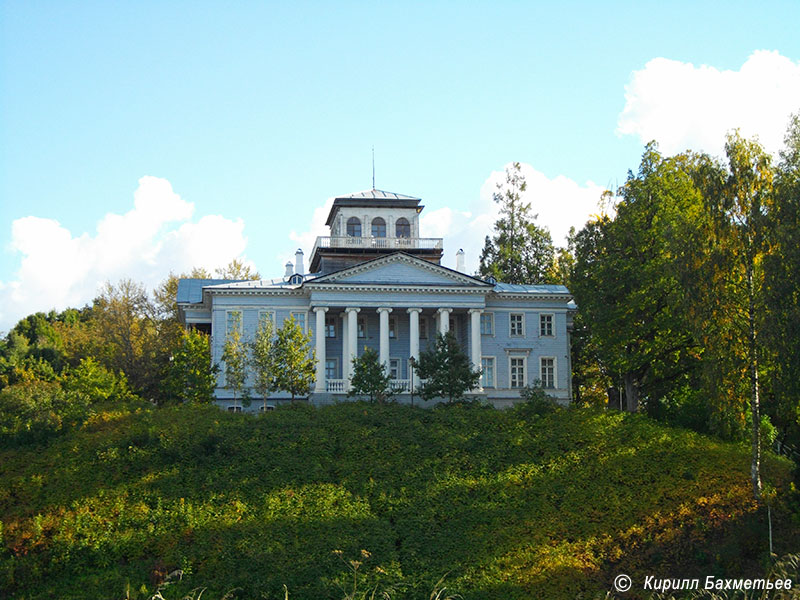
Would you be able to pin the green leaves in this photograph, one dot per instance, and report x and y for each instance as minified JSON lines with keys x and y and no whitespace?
{"x":370,"y":377}
{"x":446,"y":370}
{"x":520,"y":251}
{"x":294,"y":360}
{"x":190,"y":376}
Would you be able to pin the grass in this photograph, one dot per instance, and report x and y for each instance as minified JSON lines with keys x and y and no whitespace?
{"x":506,"y":504}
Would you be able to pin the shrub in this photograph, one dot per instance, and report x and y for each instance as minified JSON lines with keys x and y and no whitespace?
{"x":32,"y":411}
{"x":537,"y":401}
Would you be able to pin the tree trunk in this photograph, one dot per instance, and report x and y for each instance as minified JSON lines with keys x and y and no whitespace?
{"x":631,"y":393}
{"x":755,"y":466}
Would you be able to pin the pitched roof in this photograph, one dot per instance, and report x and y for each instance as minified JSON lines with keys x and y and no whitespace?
{"x":191,"y":290}
{"x":374,"y":194}
{"x":524,"y":288}
{"x":373,"y":198}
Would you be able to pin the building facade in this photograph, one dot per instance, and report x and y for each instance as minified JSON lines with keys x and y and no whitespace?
{"x":374,"y":283}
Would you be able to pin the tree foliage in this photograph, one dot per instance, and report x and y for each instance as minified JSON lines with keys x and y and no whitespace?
{"x":520,"y":251}
{"x":263,"y":360}
{"x":627,"y":288}
{"x":234,"y":357}
{"x":294,"y":360}
{"x":191,"y":376}
{"x":370,"y":378}
{"x":237,"y":269}
{"x":445,"y":370}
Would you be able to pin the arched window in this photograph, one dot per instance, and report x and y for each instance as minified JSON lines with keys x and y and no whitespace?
{"x":378,"y":227}
{"x":353,"y":227}
{"x":402,"y":228}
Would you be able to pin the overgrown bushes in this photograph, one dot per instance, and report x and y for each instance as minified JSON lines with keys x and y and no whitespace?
{"x":512,"y":504}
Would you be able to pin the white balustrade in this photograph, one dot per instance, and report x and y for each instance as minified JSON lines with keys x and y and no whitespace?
{"x":335,"y":386}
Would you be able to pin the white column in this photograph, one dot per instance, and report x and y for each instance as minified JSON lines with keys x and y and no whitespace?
{"x":352,"y":340}
{"x":444,"y":320}
{"x":345,"y":351}
{"x":413,"y":343}
{"x":475,"y":345}
{"x":320,"y":340}
{"x":383,"y":313}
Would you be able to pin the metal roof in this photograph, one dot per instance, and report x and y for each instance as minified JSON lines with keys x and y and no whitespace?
{"x":374,"y":194}
{"x":520,"y":288}
{"x":373,"y":198}
{"x":191,"y":290}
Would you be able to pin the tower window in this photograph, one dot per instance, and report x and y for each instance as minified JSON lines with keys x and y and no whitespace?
{"x":402,"y":228}
{"x":378,"y":227}
{"x":353,"y":227}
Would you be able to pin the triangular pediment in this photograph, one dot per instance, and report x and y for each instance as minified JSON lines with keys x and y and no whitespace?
{"x":400,"y":269}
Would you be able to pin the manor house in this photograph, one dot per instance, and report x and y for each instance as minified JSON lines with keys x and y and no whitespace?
{"x":375,"y":283}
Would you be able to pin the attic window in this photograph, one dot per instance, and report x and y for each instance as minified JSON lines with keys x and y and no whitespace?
{"x":402,"y":228}
{"x":378,"y":227}
{"x":353,"y":227}
{"x":296,"y":279}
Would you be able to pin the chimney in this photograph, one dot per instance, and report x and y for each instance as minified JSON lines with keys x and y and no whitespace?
{"x":298,"y":262}
{"x":460,"y":260}
{"x":289,"y":269}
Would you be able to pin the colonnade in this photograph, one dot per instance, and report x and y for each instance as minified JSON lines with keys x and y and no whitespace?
{"x":350,"y":338}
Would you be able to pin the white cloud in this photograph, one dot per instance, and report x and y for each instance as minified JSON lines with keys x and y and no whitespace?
{"x":687,"y":107}
{"x":560,"y":203}
{"x":155,"y":237}
{"x":305,"y":239}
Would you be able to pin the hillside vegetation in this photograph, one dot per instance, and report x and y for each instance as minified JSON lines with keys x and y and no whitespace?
{"x":505,"y":504}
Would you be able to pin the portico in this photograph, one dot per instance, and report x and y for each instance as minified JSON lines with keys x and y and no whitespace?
{"x":398,"y":338}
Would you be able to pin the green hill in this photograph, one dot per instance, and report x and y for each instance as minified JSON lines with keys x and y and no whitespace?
{"x":506,"y":504}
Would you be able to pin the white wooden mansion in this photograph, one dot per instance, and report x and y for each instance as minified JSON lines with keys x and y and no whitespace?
{"x":375,"y":283}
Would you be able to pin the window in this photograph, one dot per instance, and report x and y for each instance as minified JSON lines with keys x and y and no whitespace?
{"x":300,"y":319}
{"x":378,"y":227}
{"x":392,"y":328}
{"x":234,"y":409}
{"x":262,"y":408}
{"x":516,"y":365}
{"x":546,"y":325}
{"x":402,"y":228}
{"x":362,"y":326}
{"x":487,"y":371}
{"x":452,"y":325}
{"x":234,"y":321}
{"x":330,"y":327}
{"x":487,"y":323}
{"x":353,"y":227}
{"x":330,"y":368}
{"x":423,"y":328}
{"x":517,"y":324}
{"x":547,"y":372}
{"x":264,"y":316}
{"x":394,"y":368}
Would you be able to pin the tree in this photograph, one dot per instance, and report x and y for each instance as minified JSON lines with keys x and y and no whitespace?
{"x":262,"y":360}
{"x":626,"y":286}
{"x":123,"y":325}
{"x":446,"y":370}
{"x":370,"y":378}
{"x":740,"y":214}
{"x":520,"y":251}
{"x":294,"y":360}
{"x":191,"y":376}
{"x":782,"y":288}
{"x":237,"y":269}
{"x":92,"y":382}
{"x":234,"y":357}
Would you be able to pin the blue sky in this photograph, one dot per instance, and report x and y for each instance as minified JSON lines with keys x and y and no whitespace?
{"x":237,"y":121}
